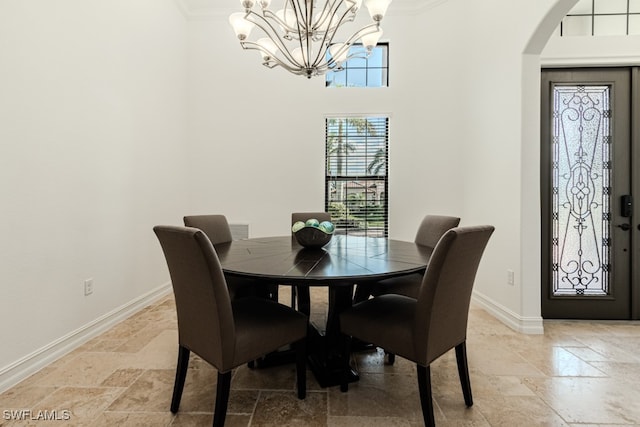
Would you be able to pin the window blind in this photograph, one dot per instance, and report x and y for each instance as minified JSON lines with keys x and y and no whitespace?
{"x":356,"y":184}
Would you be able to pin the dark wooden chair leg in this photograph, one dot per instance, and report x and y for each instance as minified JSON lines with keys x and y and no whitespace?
{"x":304,"y":299}
{"x":222,"y":398}
{"x":293,"y":297}
{"x":301,"y":368}
{"x":463,"y":372}
{"x":273,"y":292}
{"x":346,"y":355}
{"x":181,"y":375}
{"x":426,"y":400}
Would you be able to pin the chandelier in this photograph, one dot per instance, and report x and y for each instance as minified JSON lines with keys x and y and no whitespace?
{"x":301,"y":37}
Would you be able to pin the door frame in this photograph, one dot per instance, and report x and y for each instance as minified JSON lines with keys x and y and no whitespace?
{"x":633,"y":132}
{"x":635,"y":190}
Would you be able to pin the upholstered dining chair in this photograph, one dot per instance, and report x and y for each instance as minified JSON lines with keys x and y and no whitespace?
{"x":302,"y":292}
{"x":429,"y":232}
{"x":217,"y":229}
{"x":423,"y":329}
{"x":224,"y":333}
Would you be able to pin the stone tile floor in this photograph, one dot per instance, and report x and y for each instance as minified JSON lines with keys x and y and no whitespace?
{"x":578,"y":373}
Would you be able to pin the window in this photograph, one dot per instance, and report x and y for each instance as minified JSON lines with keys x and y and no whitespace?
{"x":372,"y":71}
{"x":356,"y":184}
{"x":602,"y":18}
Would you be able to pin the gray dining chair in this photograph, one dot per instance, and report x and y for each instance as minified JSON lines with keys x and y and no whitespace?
{"x":423,"y":329}
{"x":217,"y":229}
{"x":429,"y":232}
{"x":301,"y":293}
{"x":224,"y":333}
{"x":431,"y":229}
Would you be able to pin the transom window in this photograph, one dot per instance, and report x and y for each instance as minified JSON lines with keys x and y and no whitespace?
{"x":356,"y":184}
{"x":372,"y":71}
{"x":602,"y":18}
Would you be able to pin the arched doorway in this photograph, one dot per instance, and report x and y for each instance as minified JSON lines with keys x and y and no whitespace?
{"x":530,"y":170}
{"x":535,"y":49}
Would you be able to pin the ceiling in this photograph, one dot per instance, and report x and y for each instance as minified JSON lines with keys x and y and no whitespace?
{"x":202,"y":8}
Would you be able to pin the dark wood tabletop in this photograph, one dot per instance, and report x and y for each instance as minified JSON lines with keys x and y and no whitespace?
{"x":340,"y":265}
{"x":344,"y":260}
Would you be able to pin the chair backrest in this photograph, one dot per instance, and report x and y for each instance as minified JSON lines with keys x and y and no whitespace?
{"x":445,"y":293}
{"x":433,"y":227}
{"x":215,"y":227}
{"x":303,"y":216}
{"x":205,"y":318}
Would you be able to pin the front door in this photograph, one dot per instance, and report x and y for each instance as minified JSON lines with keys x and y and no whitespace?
{"x":587,"y":199}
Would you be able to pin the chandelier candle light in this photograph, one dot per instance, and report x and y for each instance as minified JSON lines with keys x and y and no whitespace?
{"x":300,"y":36}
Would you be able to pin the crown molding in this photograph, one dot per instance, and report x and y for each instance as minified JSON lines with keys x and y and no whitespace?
{"x":208,"y":9}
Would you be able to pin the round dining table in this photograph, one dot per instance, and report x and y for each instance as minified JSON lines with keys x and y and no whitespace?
{"x":344,"y":262}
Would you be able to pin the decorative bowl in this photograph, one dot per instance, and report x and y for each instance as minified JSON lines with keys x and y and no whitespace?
{"x":312,"y":237}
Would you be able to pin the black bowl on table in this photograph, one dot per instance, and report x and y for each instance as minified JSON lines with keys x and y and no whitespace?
{"x":312,"y":237}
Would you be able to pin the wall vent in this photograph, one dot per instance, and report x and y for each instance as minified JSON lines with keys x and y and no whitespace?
{"x":239,"y":231}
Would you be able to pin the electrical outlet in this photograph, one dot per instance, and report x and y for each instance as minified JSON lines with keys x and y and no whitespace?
{"x":510,"y":278}
{"x":88,"y":287}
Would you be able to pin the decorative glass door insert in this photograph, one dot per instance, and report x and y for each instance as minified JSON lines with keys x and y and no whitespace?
{"x":581,"y":190}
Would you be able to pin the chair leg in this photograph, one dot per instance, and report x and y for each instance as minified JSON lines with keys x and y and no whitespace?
{"x":181,"y":375}
{"x":273,"y":292}
{"x":346,"y":355}
{"x":463,"y":372}
{"x":426,"y":400}
{"x":222,"y":398}
{"x":293,"y":297}
{"x":301,"y":368}
{"x":304,"y":299}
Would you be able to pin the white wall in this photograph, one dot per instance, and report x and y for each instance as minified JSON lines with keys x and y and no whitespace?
{"x":500,"y":122}
{"x":495,"y":35}
{"x":258,"y":134}
{"x":92,"y":155}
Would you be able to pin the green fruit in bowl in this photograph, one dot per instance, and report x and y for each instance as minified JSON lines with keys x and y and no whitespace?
{"x":297,"y":226}
{"x":327,"y":227}
{"x":312,"y":222}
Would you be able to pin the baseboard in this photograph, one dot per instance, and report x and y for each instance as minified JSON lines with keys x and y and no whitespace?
{"x":525,"y":325}
{"x":28,"y":365}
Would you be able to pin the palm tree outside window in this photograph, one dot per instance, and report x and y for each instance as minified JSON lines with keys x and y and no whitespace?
{"x":356,"y":184}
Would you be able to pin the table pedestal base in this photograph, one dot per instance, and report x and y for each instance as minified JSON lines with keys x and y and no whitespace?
{"x":325,"y":362}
